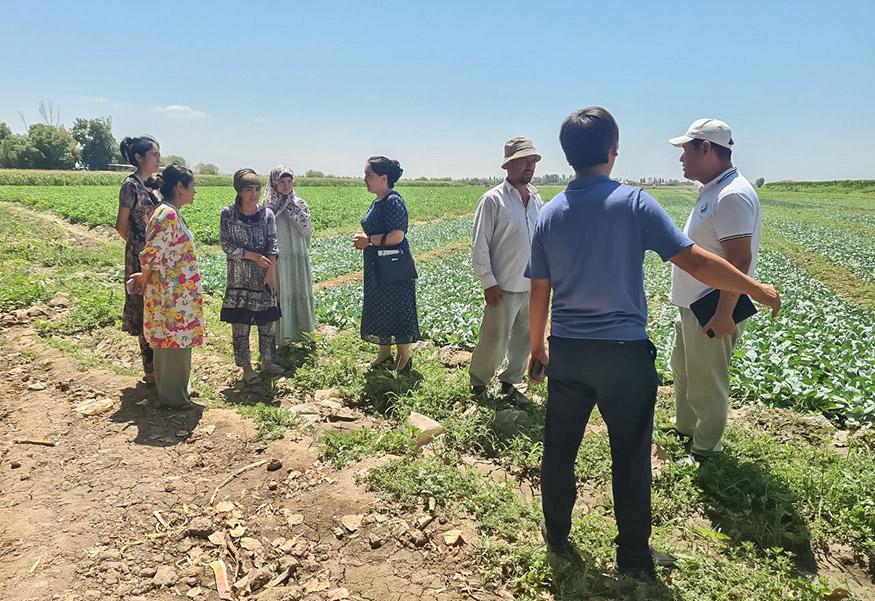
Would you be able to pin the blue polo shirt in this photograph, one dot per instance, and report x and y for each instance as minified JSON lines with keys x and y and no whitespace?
{"x":590,"y":242}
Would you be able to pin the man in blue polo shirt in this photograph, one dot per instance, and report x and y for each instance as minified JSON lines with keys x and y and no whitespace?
{"x":588,"y":249}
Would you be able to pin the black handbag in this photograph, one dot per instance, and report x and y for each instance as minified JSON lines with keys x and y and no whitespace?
{"x":394,"y":264}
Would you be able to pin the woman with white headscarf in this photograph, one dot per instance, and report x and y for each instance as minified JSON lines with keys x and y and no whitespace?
{"x":294,"y":231}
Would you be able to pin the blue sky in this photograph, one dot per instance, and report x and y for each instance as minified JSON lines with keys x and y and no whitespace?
{"x":441,"y":85}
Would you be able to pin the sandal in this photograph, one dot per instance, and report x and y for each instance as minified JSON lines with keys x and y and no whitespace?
{"x":250,"y":376}
{"x":386,"y":363}
{"x":272,"y":369}
{"x":407,"y":367}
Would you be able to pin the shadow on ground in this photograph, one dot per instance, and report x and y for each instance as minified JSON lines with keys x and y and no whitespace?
{"x":748,"y":503}
{"x":155,"y":427}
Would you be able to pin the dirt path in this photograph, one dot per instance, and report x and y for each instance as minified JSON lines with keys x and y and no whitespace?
{"x":120,"y":507}
{"x":76,"y":233}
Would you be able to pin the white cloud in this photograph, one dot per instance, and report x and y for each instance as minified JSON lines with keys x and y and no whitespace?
{"x":261,"y":120}
{"x":180,"y":110}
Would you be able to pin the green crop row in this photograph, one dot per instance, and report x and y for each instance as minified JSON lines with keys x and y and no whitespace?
{"x":841,"y":185}
{"x":816,"y":356}
{"x":335,"y":210}
{"x":449,"y":299}
{"x":852,"y":250}
{"x":335,"y":256}
{"x":40,"y":177}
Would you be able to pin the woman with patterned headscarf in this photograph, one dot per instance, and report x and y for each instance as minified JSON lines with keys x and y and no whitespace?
{"x":248,"y":237}
{"x":294,"y":276}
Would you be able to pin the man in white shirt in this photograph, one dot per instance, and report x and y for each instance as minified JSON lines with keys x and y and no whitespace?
{"x":727,"y":221}
{"x":504,"y":223}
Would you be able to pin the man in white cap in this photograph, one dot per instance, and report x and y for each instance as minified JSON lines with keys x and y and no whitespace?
{"x":726,"y":220}
{"x":503,"y":226}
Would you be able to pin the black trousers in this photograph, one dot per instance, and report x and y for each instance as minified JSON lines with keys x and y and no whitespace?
{"x":619,"y":377}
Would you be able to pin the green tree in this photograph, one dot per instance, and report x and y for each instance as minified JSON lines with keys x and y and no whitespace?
{"x":98,"y":146}
{"x":56,"y":145}
{"x":18,"y":152}
{"x":5,"y":132}
{"x":313,"y":173}
{"x":760,"y":181}
{"x":206,"y":169}
{"x":166,"y":159}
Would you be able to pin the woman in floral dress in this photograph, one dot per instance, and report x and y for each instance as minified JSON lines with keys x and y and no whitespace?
{"x":173,"y":317}
{"x":136,"y":203}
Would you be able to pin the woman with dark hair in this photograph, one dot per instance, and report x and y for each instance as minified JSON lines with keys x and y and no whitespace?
{"x":170,"y":282}
{"x":136,"y":202}
{"x":248,"y":237}
{"x":294,"y":275}
{"x":388,"y":309}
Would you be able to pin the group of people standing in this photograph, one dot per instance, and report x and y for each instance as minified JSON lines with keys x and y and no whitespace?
{"x":578,"y":259}
{"x":266,"y":239}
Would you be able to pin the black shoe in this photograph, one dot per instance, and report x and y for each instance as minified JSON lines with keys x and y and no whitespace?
{"x":512,"y":395}
{"x":407,"y":366}
{"x":663,"y":560}
{"x":177,"y":406}
{"x":658,"y":558}
{"x":477,"y":391}
{"x":563,"y":548}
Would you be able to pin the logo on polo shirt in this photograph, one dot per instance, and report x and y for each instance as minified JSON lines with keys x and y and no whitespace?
{"x":704,"y":208}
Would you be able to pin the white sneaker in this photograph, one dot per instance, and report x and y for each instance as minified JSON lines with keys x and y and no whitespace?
{"x":687,"y":461}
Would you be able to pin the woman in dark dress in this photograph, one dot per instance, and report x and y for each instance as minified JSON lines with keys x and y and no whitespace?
{"x":388,"y":310}
{"x":136,"y":203}
{"x":248,"y":237}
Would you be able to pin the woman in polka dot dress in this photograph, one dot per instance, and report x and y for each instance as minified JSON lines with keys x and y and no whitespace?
{"x":388,"y":310}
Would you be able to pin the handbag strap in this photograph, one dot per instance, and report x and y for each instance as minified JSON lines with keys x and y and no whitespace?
{"x":383,"y":239}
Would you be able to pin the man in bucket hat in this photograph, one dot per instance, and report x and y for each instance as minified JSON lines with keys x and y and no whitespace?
{"x":727,"y":221}
{"x":503,"y":226}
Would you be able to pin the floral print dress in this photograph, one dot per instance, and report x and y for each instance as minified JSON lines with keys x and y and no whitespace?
{"x":173,"y":315}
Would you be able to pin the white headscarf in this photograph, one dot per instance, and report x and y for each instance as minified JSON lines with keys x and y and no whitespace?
{"x":289,"y":205}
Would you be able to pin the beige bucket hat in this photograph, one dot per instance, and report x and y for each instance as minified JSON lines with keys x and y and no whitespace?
{"x":517,"y":148}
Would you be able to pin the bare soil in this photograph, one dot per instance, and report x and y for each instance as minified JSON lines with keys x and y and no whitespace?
{"x":125,"y":504}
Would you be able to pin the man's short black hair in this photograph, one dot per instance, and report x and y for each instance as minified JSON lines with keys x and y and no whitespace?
{"x":723,"y":153}
{"x":587,"y":136}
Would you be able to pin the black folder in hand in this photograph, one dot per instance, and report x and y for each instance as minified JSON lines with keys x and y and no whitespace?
{"x":705,"y":307}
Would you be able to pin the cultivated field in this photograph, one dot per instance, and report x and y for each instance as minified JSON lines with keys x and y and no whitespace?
{"x":788,"y":512}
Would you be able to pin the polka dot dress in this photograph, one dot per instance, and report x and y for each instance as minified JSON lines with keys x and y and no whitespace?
{"x":388,"y":310}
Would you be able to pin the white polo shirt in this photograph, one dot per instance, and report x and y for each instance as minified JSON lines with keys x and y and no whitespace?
{"x":727,"y":208}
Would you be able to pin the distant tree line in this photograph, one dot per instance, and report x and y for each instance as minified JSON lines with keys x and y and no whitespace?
{"x":89,"y":144}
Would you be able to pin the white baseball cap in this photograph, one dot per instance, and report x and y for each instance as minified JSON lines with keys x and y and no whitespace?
{"x":713,"y":130}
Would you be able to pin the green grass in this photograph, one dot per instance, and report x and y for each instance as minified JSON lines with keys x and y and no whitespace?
{"x":95,"y":308}
{"x":271,"y":422}
{"x":37,"y":261}
{"x":343,"y":448}
{"x":744,"y":524}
